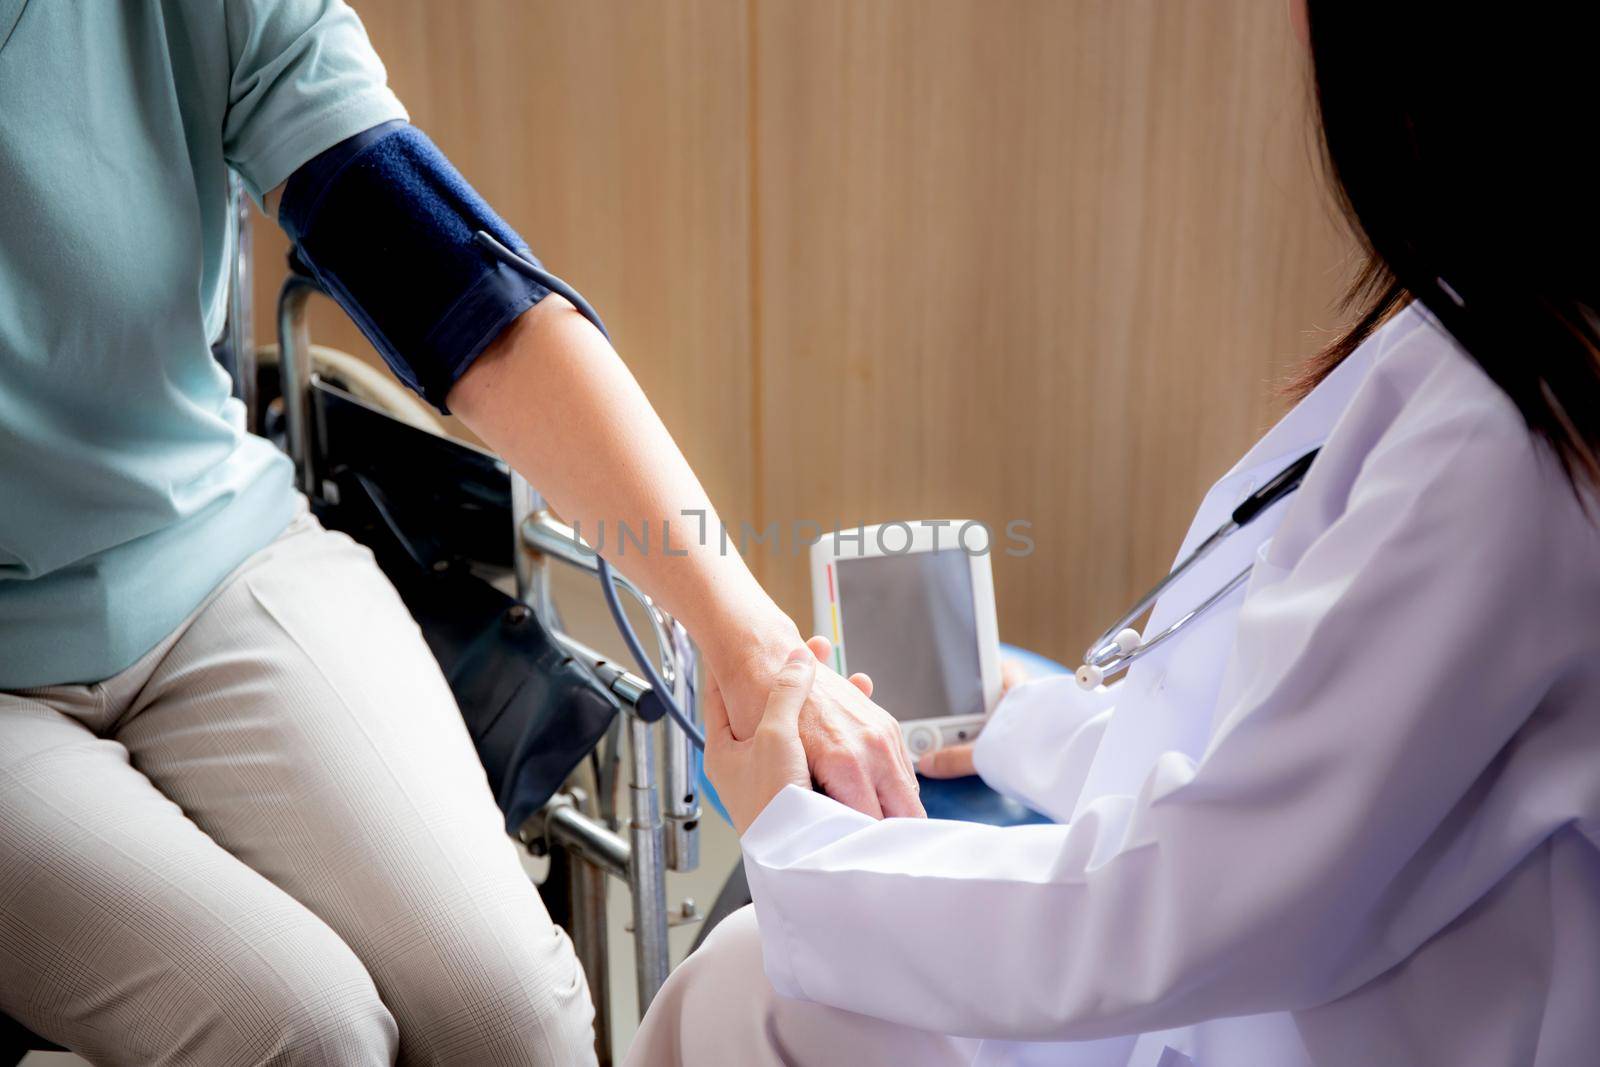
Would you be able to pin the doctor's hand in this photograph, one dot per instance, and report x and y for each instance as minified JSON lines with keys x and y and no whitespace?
{"x":955,"y":761}
{"x":855,"y":748}
{"x":749,"y":773}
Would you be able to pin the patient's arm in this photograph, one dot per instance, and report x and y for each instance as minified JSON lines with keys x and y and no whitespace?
{"x":553,"y":398}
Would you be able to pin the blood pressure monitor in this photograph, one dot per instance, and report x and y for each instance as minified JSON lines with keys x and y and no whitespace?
{"x":912,"y":605}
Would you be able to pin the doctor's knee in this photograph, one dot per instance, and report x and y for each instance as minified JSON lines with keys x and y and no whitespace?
{"x":726,"y":969}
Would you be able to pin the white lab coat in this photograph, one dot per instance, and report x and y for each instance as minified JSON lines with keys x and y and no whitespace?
{"x":1349,"y":819}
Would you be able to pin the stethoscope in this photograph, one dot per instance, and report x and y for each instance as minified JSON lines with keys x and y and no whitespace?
{"x":1116,"y":650}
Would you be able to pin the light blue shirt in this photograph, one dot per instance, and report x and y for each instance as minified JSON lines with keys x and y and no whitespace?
{"x":128,"y":487}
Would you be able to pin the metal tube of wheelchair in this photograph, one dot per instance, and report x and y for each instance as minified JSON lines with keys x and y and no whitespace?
{"x":682,"y":791}
{"x":241,"y":320}
{"x":544,"y":534}
{"x":587,"y":885}
{"x":595,"y":853}
{"x":682,"y":807}
{"x":588,"y":840}
{"x":624,"y":685}
{"x":647,"y":880}
{"x":646,"y":858}
{"x":294,"y":371}
{"x":531,"y":570}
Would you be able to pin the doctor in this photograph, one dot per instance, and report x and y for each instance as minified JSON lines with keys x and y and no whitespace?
{"x":1351,"y":816}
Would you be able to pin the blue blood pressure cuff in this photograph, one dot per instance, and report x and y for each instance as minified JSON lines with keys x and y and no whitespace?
{"x":384,"y":224}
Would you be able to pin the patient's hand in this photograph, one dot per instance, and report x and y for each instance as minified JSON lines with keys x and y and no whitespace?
{"x":749,"y":773}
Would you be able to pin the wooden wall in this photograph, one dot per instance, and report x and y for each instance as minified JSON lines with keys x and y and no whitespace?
{"x":873,"y":259}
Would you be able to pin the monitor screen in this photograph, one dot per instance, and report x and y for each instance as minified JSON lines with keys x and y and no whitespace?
{"x":908,"y":621}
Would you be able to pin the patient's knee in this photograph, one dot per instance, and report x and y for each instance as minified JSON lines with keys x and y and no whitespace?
{"x":348,"y":1025}
{"x":295,"y":1002}
{"x":513,"y":996}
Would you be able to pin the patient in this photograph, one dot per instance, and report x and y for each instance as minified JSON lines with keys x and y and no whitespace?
{"x":241,"y":820}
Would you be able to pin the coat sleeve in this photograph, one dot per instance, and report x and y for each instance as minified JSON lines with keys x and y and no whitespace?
{"x":1372,"y":686}
{"x":1040,"y":742}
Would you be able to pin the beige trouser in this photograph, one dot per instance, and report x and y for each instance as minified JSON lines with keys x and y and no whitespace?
{"x":270,"y":841}
{"x":719,"y":1009}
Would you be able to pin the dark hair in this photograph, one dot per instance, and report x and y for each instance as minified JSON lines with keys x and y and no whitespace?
{"x":1460,"y":140}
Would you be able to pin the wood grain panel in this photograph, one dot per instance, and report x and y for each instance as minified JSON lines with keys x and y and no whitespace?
{"x":614,"y":137}
{"x":1035,"y":259}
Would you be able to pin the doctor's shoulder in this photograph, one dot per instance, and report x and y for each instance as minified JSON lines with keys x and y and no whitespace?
{"x":1429,"y":418}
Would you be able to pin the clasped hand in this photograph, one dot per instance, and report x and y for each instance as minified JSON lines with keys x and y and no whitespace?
{"x":804,"y":736}
{"x":816,"y":726}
